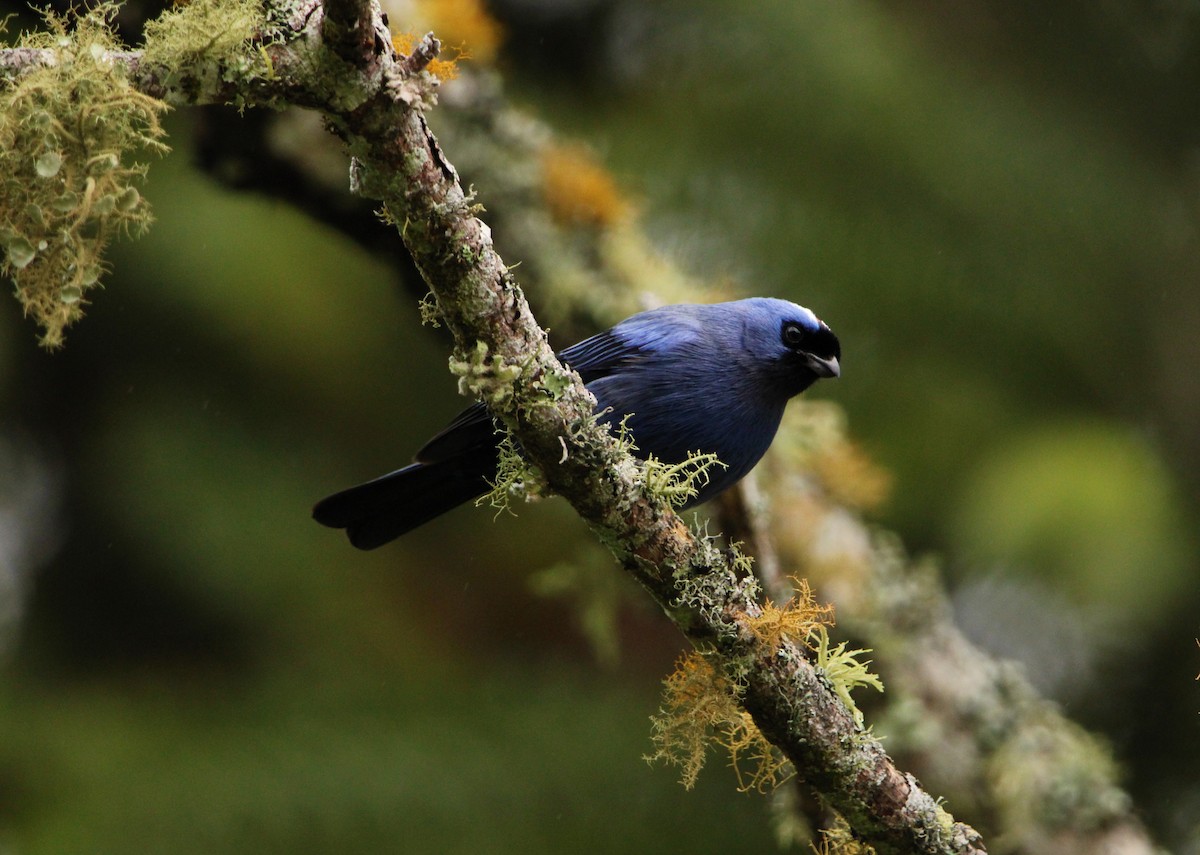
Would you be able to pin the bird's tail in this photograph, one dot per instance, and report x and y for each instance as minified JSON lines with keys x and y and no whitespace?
{"x":381,"y":510}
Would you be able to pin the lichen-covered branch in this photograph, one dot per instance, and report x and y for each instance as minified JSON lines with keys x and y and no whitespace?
{"x":398,"y":161}
{"x":550,"y":412}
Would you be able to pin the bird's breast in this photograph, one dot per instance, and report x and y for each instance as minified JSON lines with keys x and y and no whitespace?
{"x":671,"y":418}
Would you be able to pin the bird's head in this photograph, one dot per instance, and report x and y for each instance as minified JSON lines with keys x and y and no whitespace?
{"x":798,"y":347}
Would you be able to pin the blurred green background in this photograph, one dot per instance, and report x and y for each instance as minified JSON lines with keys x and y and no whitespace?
{"x":994,"y":204}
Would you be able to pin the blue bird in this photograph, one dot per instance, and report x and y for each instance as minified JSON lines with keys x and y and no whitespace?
{"x":686,"y":378}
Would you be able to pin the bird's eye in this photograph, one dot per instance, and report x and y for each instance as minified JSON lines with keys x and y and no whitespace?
{"x":793,"y":335}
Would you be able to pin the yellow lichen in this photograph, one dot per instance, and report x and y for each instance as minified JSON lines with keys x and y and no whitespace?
{"x":69,"y":186}
{"x":206,"y":34}
{"x":802,"y":621}
{"x":700,"y":706}
{"x":797,"y":619}
{"x":839,"y":839}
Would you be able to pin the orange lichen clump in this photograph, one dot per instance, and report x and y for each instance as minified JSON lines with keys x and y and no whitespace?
{"x":700,"y":706}
{"x":702,"y":703}
{"x":795,"y":620}
{"x":578,"y":190}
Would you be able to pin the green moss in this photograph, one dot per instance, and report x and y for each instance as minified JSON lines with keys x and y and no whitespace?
{"x":68,"y":134}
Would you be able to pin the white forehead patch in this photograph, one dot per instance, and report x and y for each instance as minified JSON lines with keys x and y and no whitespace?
{"x":806,"y":317}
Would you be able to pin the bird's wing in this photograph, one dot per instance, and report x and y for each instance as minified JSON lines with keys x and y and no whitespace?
{"x":474,"y":428}
{"x":602,"y":354}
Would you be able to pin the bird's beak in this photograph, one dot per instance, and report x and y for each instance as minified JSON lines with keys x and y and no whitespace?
{"x":824,"y":367}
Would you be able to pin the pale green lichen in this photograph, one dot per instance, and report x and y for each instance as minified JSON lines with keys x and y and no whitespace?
{"x":431,"y":312}
{"x":488,"y":377}
{"x":68,"y":133}
{"x":555,"y":384}
{"x":842,"y":668}
{"x":714,"y":577}
{"x":200,"y":43}
{"x":678,"y":482}
{"x":516,"y":478}
{"x":740,"y":562}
